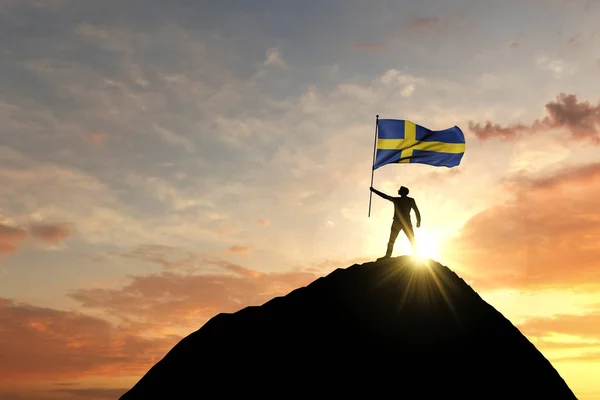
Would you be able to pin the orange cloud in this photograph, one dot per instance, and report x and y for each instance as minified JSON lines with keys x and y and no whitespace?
{"x":590,"y":356}
{"x":546,"y":235}
{"x":240,"y":249}
{"x":581,"y":119}
{"x":40,"y":343}
{"x":155,"y":311}
{"x":264,"y":222}
{"x":10,"y":239}
{"x":584,"y":326}
{"x":553,"y":345}
{"x":51,"y":233}
{"x":189,"y":295}
{"x":95,"y":393}
{"x":189,"y":300}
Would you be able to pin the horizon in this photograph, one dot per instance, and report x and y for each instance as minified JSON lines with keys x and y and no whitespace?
{"x":164,"y":162}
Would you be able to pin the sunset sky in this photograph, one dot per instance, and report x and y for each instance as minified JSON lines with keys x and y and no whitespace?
{"x":164,"y":161}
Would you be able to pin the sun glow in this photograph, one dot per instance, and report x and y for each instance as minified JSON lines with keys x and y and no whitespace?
{"x":428,"y":241}
{"x":428,"y":244}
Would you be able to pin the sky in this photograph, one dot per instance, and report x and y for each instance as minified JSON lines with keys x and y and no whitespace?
{"x":165,"y":161}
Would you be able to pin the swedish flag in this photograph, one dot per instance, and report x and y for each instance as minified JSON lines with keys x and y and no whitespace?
{"x":402,"y":141}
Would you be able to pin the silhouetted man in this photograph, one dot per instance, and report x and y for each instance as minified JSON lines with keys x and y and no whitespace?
{"x":402,"y":207}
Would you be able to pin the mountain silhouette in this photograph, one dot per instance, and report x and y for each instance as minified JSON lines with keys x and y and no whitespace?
{"x":392,"y":328}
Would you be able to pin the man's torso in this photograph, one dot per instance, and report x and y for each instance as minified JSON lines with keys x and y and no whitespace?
{"x":402,"y":207}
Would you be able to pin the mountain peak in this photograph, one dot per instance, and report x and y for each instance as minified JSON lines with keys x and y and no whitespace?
{"x":397,"y":325}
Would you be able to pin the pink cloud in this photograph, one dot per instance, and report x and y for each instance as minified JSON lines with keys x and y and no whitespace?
{"x":10,"y":239}
{"x":51,"y":233}
{"x":580,"y":118}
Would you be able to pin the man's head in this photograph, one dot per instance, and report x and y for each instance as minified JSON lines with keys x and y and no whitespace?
{"x":403,"y":191}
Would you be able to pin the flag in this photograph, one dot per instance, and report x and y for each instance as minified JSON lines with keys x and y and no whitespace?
{"x":402,"y":141}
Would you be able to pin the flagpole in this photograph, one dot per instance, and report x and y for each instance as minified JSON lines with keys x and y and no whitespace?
{"x":373,"y":163}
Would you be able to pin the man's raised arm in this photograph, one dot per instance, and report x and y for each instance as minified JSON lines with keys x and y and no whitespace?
{"x":377,"y":192}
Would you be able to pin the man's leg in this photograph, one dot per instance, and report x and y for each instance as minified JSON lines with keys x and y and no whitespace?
{"x":393,"y":235}
{"x":410,"y":234}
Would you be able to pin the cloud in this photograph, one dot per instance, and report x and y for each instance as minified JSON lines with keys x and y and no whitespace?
{"x":424,"y":22}
{"x":574,"y":40}
{"x":51,"y":181}
{"x":264,"y":222}
{"x":165,"y":191}
{"x":12,"y":395}
{"x":566,"y":337}
{"x":274,"y":58}
{"x":10,"y":239}
{"x":174,"y":138}
{"x":169,"y":95}
{"x":102,"y":212}
{"x":186,"y":296}
{"x":370,"y":46}
{"x":239,"y":249}
{"x":442,"y":26}
{"x":45,"y":344}
{"x":155,"y":311}
{"x":36,"y":4}
{"x":97,"y":138}
{"x":559,"y":68}
{"x":585,"y":326}
{"x":580,"y":118}
{"x":544,"y":235}
{"x":589,"y":356}
{"x":175,"y":259}
{"x":96,"y":393}
{"x":563,"y":179}
{"x":51,"y":233}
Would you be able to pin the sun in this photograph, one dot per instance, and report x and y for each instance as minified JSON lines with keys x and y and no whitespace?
{"x":428,"y":244}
